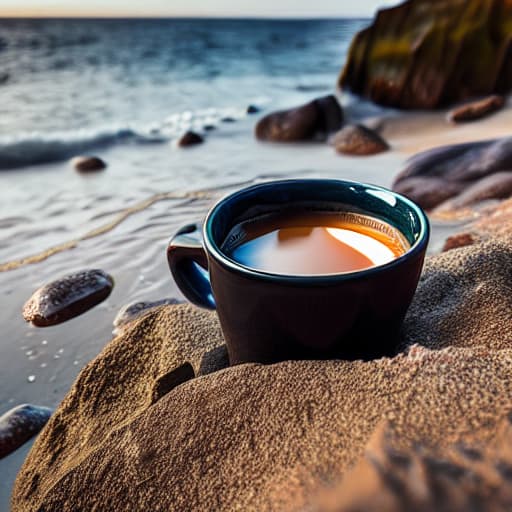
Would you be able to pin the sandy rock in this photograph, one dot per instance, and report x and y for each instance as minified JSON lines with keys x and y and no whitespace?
{"x":269,"y":437}
{"x":468,"y":173}
{"x":67,"y":297}
{"x":20,"y":424}
{"x":190,"y":138}
{"x":476,"y":109}
{"x":317,"y":118}
{"x":424,"y":54}
{"x":358,"y":140}
{"x":87,"y":164}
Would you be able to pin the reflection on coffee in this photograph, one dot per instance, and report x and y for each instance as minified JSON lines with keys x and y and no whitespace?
{"x":314,"y":243}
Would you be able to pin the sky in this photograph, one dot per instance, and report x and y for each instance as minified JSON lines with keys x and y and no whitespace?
{"x":170,"y":8}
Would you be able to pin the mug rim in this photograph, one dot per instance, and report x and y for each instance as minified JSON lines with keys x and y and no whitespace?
{"x":214,"y":251}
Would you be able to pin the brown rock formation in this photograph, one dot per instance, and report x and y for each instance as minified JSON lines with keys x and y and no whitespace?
{"x":424,"y":54}
{"x":476,"y":109}
{"x":358,"y":140}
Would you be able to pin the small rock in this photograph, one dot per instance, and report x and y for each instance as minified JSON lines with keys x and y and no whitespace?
{"x":132,"y":311}
{"x":228,"y":119}
{"x":476,"y":109}
{"x":190,"y":138}
{"x":209,"y":127}
{"x":317,"y":118}
{"x":458,"y":240}
{"x":358,"y":140}
{"x":67,"y":297}
{"x":252,"y":109}
{"x":18,"y":425}
{"x":88,"y":163}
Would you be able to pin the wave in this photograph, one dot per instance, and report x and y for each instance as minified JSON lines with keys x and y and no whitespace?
{"x":38,"y":148}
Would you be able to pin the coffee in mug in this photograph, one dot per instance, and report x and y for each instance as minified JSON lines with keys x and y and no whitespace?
{"x":314,"y":242}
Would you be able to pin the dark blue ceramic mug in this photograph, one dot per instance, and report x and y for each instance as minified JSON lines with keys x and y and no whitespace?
{"x":269,"y":317}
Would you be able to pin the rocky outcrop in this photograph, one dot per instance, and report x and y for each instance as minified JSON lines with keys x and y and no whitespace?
{"x":476,"y":109}
{"x":269,"y":437}
{"x":424,"y":54}
{"x":315,"y":119}
{"x":458,"y":176}
{"x":358,"y":140}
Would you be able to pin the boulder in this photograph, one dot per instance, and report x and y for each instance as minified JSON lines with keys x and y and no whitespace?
{"x":317,"y":118}
{"x":190,"y":138}
{"x":464,"y":174}
{"x":356,"y":139}
{"x":67,"y":297}
{"x":476,"y":109}
{"x":87,"y":164}
{"x":270,"y":437}
{"x":424,"y":54}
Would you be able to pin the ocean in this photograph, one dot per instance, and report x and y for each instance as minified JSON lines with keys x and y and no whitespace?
{"x":125,"y":90}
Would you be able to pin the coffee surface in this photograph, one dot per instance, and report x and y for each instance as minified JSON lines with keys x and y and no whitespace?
{"x":314,"y":243}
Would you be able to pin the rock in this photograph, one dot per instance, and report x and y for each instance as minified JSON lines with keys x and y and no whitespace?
{"x":190,"y":138}
{"x":317,"y":118}
{"x":209,"y":127}
{"x":228,"y":119}
{"x":423,"y":54}
{"x":494,"y":186}
{"x":88,"y":164}
{"x":67,"y":297}
{"x":130,"y":312}
{"x":18,"y":425}
{"x":458,"y":240}
{"x":467,"y":173}
{"x":476,"y":109}
{"x":356,"y":139}
{"x":270,"y":437}
{"x":427,"y":192}
{"x":252,"y":109}
{"x":4,"y":78}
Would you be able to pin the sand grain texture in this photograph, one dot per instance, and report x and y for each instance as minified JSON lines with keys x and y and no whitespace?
{"x":270,"y":438}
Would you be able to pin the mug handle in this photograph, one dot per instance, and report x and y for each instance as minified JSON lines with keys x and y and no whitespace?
{"x":185,"y":254}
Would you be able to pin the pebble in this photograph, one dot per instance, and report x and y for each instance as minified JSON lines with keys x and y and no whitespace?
{"x":130,"y":312}
{"x":31,"y":378}
{"x":88,"y":164}
{"x":190,"y":138}
{"x":67,"y":297}
{"x":18,"y":425}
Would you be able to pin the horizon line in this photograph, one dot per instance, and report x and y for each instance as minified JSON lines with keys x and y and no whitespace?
{"x":179,"y":16}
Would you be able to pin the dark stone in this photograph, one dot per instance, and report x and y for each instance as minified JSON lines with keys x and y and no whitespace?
{"x":357,"y":139}
{"x":477,"y":109}
{"x":4,"y":78}
{"x":18,"y":425}
{"x":88,"y":164}
{"x":252,"y":109}
{"x":209,"y":127}
{"x":67,"y":297}
{"x":316,"y":118}
{"x":190,"y":138}
{"x":475,"y":170}
{"x":228,"y":119}
{"x":424,"y":54}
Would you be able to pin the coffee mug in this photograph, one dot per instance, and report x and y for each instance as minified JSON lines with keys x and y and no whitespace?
{"x":268,"y":317}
